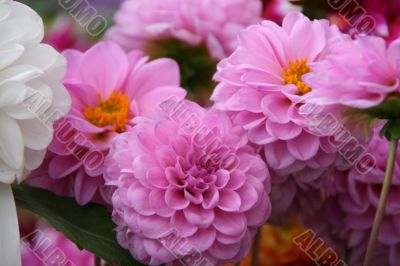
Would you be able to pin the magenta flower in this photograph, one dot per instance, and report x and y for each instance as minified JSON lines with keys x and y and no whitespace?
{"x":63,"y":34}
{"x":46,"y":246}
{"x":214,"y":23}
{"x":187,"y":174}
{"x":357,"y":80}
{"x":109,"y":88}
{"x":276,"y":10}
{"x":261,"y":83}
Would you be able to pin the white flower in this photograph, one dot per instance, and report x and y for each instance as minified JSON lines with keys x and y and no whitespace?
{"x":31,"y":94}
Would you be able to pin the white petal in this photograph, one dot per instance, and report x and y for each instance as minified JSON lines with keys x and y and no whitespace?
{"x":10,"y":251}
{"x":12,"y":93}
{"x":36,"y":103}
{"x":10,"y":33}
{"x":33,"y":159}
{"x":42,"y":56}
{"x":25,"y":18}
{"x":9,"y":53}
{"x":7,"y":175}
{"x":5,"y":11}
{"x":37,"y":135}
{"x":11,"y":142}
{"x":20,"y":73}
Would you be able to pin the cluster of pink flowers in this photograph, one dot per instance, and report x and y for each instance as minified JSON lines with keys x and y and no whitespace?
{"x":169,"y":169}
{"x":261,"y":84}
{"x":108,"y":88}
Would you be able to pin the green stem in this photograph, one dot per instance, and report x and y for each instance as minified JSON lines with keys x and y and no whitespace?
{"x":382,"y":203}
{"x":256,"y":248}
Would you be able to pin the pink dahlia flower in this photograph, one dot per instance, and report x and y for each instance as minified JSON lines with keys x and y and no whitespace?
{"x":350,"y":213}
{"x":261,"y":83}
{"x":109,"y":88}
{"x":46,"y":246}
{"x":214,"y":23}
{"x":187,"y":175}
{"x":357,"y":80}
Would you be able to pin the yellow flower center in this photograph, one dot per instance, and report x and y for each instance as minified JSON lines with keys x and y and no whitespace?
{"x":293,"y":75}
{"x":113,"y":111}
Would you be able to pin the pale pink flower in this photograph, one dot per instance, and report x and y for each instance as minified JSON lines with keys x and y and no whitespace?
{"x":46,"y":246}
{"x":187,"y":174}
{"x":362,"y":79}
{"x":214,"y":23}
{"x":261,"y":84}
{"x":109,"y":88}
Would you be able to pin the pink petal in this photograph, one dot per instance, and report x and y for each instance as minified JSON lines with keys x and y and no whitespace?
{"x":139,"y":198}
{"x":157,"y":178}
{"x":183,"y":227}
{"x":175,"y":199}
{"x":149,"y":101}
{"x":198,"y":216}
{"x":222,"y":178}
{"x":61,"y":166}
{"x":228,"y":223}
{"x":224,"y":251}
{"x":203,"y":239}
{"x":248,"y":196}
{"x":153,"y":75}
{"x":277,"y":155}
{"x":229,"y":200}
{"x":158,"y":204}
{"x":211,"y":198}
{"x":85,"y":187}
{"x":104,"y":67}
{"x":283,"y":131}
{"x":304,"y":147}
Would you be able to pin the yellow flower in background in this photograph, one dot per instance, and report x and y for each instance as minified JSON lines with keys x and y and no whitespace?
{"x":277,"y":247}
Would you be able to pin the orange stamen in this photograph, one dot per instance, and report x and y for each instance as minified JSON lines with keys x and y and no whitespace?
{"x":113,"y":112}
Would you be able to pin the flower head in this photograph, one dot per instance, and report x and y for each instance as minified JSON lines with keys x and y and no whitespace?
{"x":64,"y":34}
{"x":350,"y":212}
{"x":109,"y":88}
{"x":31,"y":95}
{"x":187,"y":174}
{"x":214,"y":23}
{"x":262,"y":84}
{"x":195,"y":33}
{"x":345,"y":79}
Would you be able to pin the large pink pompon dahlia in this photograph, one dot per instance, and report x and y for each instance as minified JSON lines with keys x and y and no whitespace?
{"x":213,"y":23}
{"x":109,"y":88}
{"x":261,"y":83}
{"x":188,"y":187}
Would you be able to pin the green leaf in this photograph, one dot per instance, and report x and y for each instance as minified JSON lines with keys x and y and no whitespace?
{"x":391,"y":130}
{"x":90,"y":226}
{"x":388,"y":109}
